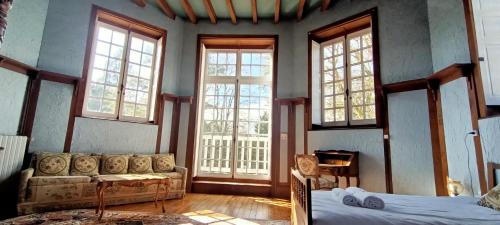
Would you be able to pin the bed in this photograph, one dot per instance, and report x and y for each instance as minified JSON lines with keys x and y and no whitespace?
{"x":317,"y":207}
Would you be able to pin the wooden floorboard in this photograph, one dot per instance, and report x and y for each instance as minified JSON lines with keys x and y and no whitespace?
{"x":230,"y":205}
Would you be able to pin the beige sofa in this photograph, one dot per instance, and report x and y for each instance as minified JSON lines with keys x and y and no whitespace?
{"x":48,"y":193}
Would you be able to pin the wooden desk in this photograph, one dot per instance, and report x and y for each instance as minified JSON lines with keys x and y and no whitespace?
{"x":105,"y":182}
{"x":339,"y":163}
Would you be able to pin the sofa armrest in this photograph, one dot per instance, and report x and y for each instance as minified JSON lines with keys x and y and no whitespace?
{"x":183,"y":171}
{"x":23,"y":183}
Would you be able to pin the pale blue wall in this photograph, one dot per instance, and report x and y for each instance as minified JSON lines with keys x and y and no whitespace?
{"x":63,"y":50}
{"x":448,"y":33}
{"x":411,"y":148}
{"x":23,"y":36}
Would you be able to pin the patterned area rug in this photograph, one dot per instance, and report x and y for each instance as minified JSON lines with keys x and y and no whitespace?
{"x":88,"y":217}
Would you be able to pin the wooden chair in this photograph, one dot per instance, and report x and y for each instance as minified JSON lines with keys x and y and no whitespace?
{"x":308,"y":166}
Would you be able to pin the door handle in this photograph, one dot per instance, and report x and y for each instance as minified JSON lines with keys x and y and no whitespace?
{"x":481,"y":59}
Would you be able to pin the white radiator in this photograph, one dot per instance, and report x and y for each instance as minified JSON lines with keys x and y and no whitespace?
{"x":12,"y":150}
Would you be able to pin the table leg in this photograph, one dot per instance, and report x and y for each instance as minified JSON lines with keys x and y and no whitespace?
{"x":157,"y":191}
{"x":167,"y":187}
{"x":98,"y":191}
{"x":348,"y":180}
{"x":101,"y":194}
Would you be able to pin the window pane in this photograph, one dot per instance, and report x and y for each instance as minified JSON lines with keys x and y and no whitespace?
{"x":108,"y":106}
{"x":339,"y":101}
{"x":328,"y":89}
{"x":368,"y":69}
{"x":135,"y":57}
{"x":102,"y":48}
{"x":354,"y":43}
{"x":328,"y":76}
{"x":340,"y":114}
{"x":327,"y":64}
{"x":98,"y":75}
{"x":367,"y":54}
{"x":328,"y":102}
{"x":328,"y":51}
{"x":357,"y":84}
{"x":133,"y":69}
{"x":339,"y":74}
{"x":130,"y":95}
{"x":93,"y":105}
{"x":339,"y":87}
{"x":112,"y":78}
{"x":96,"y":90}
{"x":118,"y":38}
{"x":221,"y":58}
{"x":369,"y":97}
{"x":100,"y":62}
{"x":104,"y":34}
{"x":369,"y":83}
{"x":231,"y":58}
{"x":136,"y":44}
{"x":246,"y":58}
{"x":140,"y":111}
{"x":128,"y":109}
{"x":115,"y":65}
{"x":110,"y":92}
{"x":339,"y":48}
{"x":356,"y":71}
{"x":116,"y":52}
{"x":212,"y":58}
{"x":148,"y":47}
{"x":329,"y":115}
{"x":143,"y":85}
{"x":339,"y":61}
{"x":145,"y":72}
{"x":367,"y":40}
{"x":370,"y":112}
{"x":355,"y":57}
{"x":357,"y":113}
{"x":357,"y":98}
{"x":147,"y":60}
{"x":142,"y":97}
{"x":132,"y":82}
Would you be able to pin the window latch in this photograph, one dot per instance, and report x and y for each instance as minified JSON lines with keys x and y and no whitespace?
{"x":481,"y":59}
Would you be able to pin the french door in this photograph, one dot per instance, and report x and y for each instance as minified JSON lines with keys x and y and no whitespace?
{"x":235,"y":117}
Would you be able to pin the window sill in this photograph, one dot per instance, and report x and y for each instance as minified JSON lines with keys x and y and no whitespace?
{"x":231,"y":180}
{"x":115,"y":120}
{"x":351,"y":127}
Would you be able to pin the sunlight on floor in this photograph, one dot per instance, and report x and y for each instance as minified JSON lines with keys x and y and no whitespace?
{"x":275,"y":202}
{"x":214,"y":218}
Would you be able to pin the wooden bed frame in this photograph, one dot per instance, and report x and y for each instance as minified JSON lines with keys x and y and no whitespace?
{"x":301,"y":194}
{"x":300,"y":197}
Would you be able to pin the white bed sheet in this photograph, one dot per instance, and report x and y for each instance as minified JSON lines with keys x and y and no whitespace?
{"x":403,"y":210}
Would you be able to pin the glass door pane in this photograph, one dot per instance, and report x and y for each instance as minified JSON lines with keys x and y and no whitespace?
{"x":216,"y":142}
{"x":254,"y":131}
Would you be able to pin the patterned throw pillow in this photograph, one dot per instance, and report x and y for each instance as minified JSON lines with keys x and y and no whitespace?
{"x":84,"y":165}
{"x":114,"y":164}
{"x":163,"y":163}
{"x":52,"y":164}
{"x":140,"y":164}
{"x":491,"y":199}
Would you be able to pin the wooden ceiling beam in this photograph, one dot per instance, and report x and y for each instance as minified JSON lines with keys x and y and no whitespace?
{"x":300,"y":9}
{"x":277,"y":8}
{"x":254,"y":11}
{"x":210,"y":10}
{"x":230,"y":8}
{"x":189,"y":11}
{"x":325,"y":4}
{"x":166,"y":9}
{"x":141,"y":3}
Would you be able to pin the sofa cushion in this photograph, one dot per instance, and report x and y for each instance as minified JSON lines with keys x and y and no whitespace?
{"x":84,"y":165}
{"x":114,"y":164}
{"x":163,"y":163}
{"x":52,"y":164}
{"x":55,"y":180}
{"x":140,"y":164}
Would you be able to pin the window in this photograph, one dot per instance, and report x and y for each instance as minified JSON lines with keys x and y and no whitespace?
{"x":123,"y":73}
{"x":345,"y":79}
{"x":235,"y":122}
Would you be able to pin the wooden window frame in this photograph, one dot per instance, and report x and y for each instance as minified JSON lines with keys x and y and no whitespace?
{"x":102,"y":15}
{"x":344,"y":27}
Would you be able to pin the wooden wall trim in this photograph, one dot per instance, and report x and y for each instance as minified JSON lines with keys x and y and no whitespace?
{"x":477,"y":139}
{"x":174,"y":130}
{"x":439,"y":156}
{"x":387,"y":148}
{"x":474,"y":56}
{"x":16,"y":66}
{"x":404,"y":86}
{"x":491,"y":174}
{"x":451,"y":73}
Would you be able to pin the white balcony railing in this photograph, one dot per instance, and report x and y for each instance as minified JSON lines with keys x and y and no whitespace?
{"x":252,"y":155}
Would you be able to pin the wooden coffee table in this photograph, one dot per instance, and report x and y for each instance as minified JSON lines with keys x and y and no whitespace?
{"x":107,"y":181}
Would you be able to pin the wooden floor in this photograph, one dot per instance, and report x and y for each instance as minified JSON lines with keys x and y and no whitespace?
{"x":235,"y":206}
